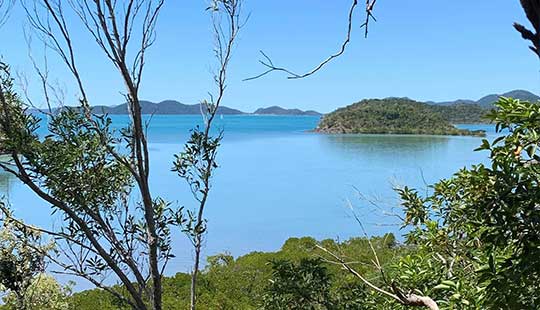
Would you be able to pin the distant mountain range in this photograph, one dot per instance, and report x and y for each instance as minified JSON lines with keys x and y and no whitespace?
{"x":169,"y":107}
{"x":457,"y":111}
{"x":487,"y":101}
{"x":470,"y":111}
{"x":166,"y":107}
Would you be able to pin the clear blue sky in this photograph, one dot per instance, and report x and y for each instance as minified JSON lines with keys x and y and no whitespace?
{"x":423,"y":49}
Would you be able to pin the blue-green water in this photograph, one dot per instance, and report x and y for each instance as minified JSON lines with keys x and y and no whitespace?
{"x":276,"y":180}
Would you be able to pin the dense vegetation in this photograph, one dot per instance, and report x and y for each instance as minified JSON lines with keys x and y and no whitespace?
{"x":481,"y":227}
{"x":269,"y":279}
{"x":389,"y":116}
{"x":462,"y":113}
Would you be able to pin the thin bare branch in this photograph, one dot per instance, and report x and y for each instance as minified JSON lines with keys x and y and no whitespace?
{"x":5,"y":9}
{"x":268,"y":63}
{"x":412,"y":300}
{"x":226,"y":26}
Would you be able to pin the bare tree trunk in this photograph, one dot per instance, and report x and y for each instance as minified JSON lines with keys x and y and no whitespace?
{"x":195,"y":273}
{"x":198,"y":161}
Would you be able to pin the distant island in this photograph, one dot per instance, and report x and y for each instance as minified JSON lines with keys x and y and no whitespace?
{"x":275,"y":110}
{"x":172,"y":107}
{"x":465,"y":111}
{"x":389,"y":116}
{"x":461,"y":111}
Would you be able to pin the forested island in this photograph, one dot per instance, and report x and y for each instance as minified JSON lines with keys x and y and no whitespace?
{"x":390,"y":116}
{"x":276,"y":110}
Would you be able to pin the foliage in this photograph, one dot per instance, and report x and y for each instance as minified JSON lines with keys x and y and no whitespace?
{"x":21,"y":262}
{"x":462,"y":113}
{"x":44,"y":293}
{"x":196,"y":165}
{"x":82,"y":170}
{"x":389,"y":116}
{"x":477,"y":235}
{"x":305,"y":285}
{"x":97,"y":299}
{"x":244,"y":282}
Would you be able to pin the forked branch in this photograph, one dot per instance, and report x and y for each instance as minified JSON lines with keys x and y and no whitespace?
{"x":269,"y":64}
{"x":409,"y":299}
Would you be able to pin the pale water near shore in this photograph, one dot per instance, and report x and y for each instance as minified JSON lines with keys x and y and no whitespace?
{"x":276,"y":180}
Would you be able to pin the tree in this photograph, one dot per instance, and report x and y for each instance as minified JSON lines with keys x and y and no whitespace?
{"x":20,"y":263}
{"x":44,"y":293}
{"x":197,"y":162}
{"x":84,"y":170}
{"x":305,"y":285}
{"x":485,"y":220}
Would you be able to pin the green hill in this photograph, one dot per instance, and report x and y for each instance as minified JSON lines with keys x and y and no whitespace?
{"x":465,"y":111}
{"x":389,"y":116}
{"x":520,"y":94}
{"x":462,"y":113}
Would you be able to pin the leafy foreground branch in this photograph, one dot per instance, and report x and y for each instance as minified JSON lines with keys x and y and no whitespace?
{"x":482,"y":225}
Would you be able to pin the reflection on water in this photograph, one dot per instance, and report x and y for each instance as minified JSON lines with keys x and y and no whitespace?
{"x":384,"y":143}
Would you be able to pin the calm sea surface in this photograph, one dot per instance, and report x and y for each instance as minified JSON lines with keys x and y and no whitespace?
{"x":276,"y":180}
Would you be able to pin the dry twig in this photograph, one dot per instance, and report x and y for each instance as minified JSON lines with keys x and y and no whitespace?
{"x":269,"y":64}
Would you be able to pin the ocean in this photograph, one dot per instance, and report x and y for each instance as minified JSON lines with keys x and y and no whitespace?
{"x":277,"y":180}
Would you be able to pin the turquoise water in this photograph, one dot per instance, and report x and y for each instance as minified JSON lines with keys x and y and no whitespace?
{"x":277,"y":180}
